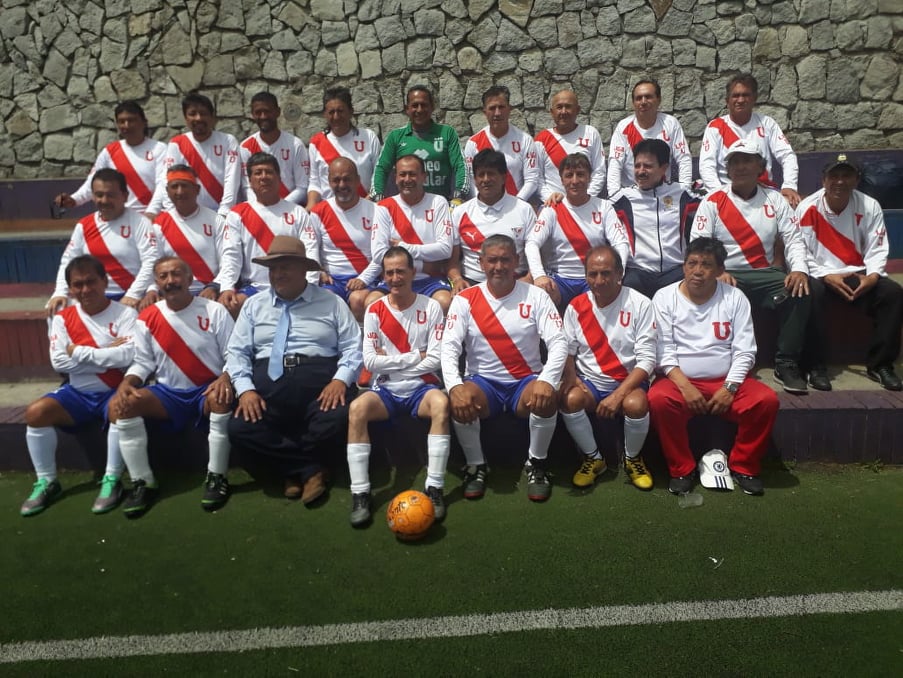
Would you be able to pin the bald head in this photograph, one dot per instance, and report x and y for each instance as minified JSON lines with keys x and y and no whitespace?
{"x":344,"y":182}
{"x":564,"y":109}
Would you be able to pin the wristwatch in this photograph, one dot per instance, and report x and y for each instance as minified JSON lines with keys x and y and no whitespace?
{"x":731,"y":387}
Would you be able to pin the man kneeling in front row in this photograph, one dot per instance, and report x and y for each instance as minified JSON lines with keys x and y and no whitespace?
{"x":706,"y":348}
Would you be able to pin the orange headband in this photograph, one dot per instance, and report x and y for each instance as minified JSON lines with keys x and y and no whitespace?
{"x":181,"y":175}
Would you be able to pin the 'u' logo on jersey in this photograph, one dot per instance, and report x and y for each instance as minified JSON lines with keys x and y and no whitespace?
{"x":624,"y":318}
{"x":438,"y":145}
{"x":149,"y":156}
{"x":208,"y":230}
{"x":760,"y":131}
{"x":665,"y":135}
{"x":113,"y":333}
{"x":769,"y":210}
{"x":722,"y":330}
{"x":515,"y":146}
{"x":584,"y":143}
{"x":597,"y":217}
{"x":203,"y":323}
{"x":428,"y":215}
{"x":359,"y":146}
{"x":524,"y":309}
{"x":421,"y":317}
{"x":217,"y":149}
{"x":288,"y":218}
{"x":366,"y":224}
{"x":125,"y":230}
{"x":285,"y":154}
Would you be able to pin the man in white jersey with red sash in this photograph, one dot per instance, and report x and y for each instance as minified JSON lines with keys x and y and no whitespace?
{"x":402,"y":336}
{"x":847,"y":249}
{"x":341,"y":238}
{"x":340,"y":138}
{"x":749,"y":218}
{"x":212,"y":154}
{"x":251,"y":227}
{"x":657,"y":217}
{"x":182,"y":341}
{"x":121,"y":238}
{"x":524,"y":175}
{"x":492,"y":211}
{"x":90,"y":342}
{"x":499,"y":323}
{"x":139,"y":158}
{"x":566,"y":137}
{"x":420,"y":223}
{"x":611,"y":354}
{"x":647,"y":122}
{"x":289,"y":150}
{"x":741,"y":122}
{"x":193,"y":233}
{"x":706,"y":348}
{"x":565,"y":231}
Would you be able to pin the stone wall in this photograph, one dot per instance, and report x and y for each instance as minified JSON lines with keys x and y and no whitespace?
{"x":828,"y":70}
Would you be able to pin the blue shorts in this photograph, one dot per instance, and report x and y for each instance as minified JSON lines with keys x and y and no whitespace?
{"x":337,"y":286}
{"x":602,"y":395}
{"x":425,"y":286}
{"x":502,"y":397}
{"x":396,"y":406}
{"x":248,"y":290}
{"x":184,"y":406}
{"x":82,"y":406}
{"x":569,"y":287}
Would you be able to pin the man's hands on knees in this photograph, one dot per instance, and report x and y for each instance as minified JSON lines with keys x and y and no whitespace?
{"x":464,"y":406}
{"x":542,"y":400}
{"x":720,"y":401}
{"x":797,"y":284}
{"x":220,"y":390}
{"x":251,"y":407}
{"x":610,"y":406}
{"x":123,"y":400}
{"x":332,"y":395}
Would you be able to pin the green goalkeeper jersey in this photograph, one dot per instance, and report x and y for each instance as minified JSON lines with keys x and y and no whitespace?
{"x":440,"y":151}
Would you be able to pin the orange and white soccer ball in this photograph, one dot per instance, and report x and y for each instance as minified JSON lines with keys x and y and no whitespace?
{"x":410,"y":515}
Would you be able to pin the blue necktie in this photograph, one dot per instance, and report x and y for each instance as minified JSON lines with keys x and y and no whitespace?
{"x":280,"y":338}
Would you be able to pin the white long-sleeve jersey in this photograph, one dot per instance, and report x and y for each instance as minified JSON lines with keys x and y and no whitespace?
{"x":749,"y":228}
{"x":657,"y":223}
{"x":628,"y":133}
{"x":474,"y":221}
{"x":501,"y":336}
{"x":706,"y":341}
{"x":722,"y":132}
{"x":552,"y":148}
{"x":564,"y":234}
{"x":424,"y":229}
{"x":294,"y":164}
{"x":143,"y":167}
{"x":217,"y":163}
{"x":402,"y":335}
{"x":524,"y":174}
{"x":608,"y":343}
{"x":358,"y":144}
{"x":126,"y":246}
{"x":185,"y":349}
{"x":341,"y":240}
{"x":850,"y":242}
{"x":251,"y":227}
{"x":198,"y":239}
{"x":95,"y":365}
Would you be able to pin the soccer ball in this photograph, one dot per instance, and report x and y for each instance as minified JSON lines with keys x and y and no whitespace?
{"x":410,"y":515}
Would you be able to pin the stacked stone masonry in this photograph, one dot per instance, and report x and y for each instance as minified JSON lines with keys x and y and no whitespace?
{"x":829,"y":70}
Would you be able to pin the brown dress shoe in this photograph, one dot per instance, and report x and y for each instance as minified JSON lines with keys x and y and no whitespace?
{"x":294,"y":488}
{"x":314,"y":487}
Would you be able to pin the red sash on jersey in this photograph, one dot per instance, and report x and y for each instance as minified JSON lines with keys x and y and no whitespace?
{"x":175,"y":347}
{"x":402,"y":224}
{"x":81,"y":336}
{"x":728,"y":137}
{"x":481,"y":139}
{"x":496,"y":336}
{"x":183,"y":247}
{"x":572,"y":231}
{"x":633,"y":135}
{"x":745,"y":235}
{"x":470,"y":234}
{"x":193,"y":158}
{"x":255,"y":225}
{"x":329,"y":153}
{"x":97,"y":247}
{"x":597,"y":340}
{"x":836,"y":243}
{"x":340,"y":237}
{"x":132,"y":178}
{"x":395,"y":332}
{"x":252,"y":145}
{"x":553,"y":147}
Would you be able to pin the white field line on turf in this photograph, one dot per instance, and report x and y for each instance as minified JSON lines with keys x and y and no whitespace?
{"x":105,"y":647}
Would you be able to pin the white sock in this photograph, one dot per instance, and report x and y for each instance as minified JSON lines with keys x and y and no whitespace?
{"x":41,"y":443}
{"x":541,"y":431}
{"x":469,"y":437}
{"x":359,"y":466}
{"x":437,"y":449}
{"x":635,"y":431}
{"x":133,"y":444}
{"x":218,"y":443}
{"x":581,"y":430}
{"x":115,"y":465}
